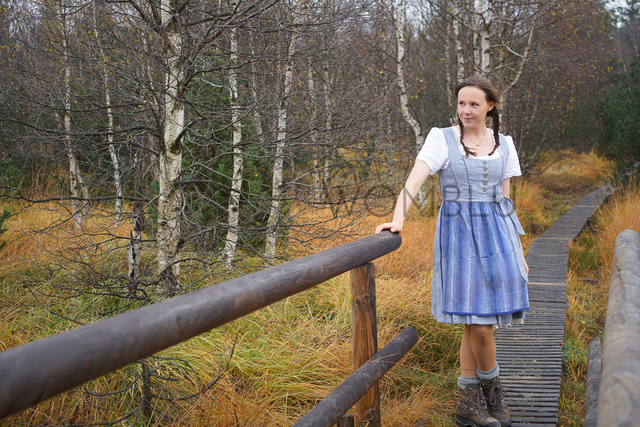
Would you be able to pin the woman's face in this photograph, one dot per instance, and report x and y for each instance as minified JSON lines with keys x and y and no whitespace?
{"x":473,"y":106}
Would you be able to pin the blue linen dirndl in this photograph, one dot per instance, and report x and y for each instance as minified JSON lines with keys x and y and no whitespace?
{"x":478,"y":272}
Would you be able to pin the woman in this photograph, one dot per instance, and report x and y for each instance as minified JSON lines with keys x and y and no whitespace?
{"x":479,"y":272}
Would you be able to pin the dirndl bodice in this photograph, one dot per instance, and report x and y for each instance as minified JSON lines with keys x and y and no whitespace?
{"x":478,"y":263}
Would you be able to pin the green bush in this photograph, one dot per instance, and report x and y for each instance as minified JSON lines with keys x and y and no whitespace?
{"x":621,"y":137}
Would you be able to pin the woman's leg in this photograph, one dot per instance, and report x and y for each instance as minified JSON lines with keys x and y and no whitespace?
{"x":478,"y":349}
{"x":483,"y":349}
{"x":468,"y":363}
{"x":470,"y":404}
{"x":483,"y":346}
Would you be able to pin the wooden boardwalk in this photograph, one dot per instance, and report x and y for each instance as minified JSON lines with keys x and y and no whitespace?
{"x":530,"y":356}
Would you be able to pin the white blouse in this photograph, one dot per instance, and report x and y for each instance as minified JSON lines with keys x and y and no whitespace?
{"x":435,"y":154}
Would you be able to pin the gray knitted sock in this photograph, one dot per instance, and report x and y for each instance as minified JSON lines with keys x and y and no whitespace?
{"x":463,"y":382}
{"x":489,"y":375}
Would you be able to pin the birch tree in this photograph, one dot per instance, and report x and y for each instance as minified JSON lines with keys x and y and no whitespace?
{"x":313,"y":109}
{"x":170,"y":196}
{"x":233,"y":209}
{"x":457,"y":45}
{"x":281,"y":140}
{"x":401,"y":39}
{"x":484,"y":14}
{"x":106,"y":82}
{"x":78,"y":190}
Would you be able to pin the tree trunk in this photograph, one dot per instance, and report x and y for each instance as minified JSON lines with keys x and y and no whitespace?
{"x":134,"y":249}
{"x":170,"y":197}
{"x":107,"y":99}
{"x":278,"y":164}
{"x":485,"y":11}
{"x":313,"y":122}
{"x":236,"y":181}
{"x":257,"y":118}
{"x":76,"y":183}
{"x":329,"y":79}
{"x":458,"y":45}
{"x":404,"y":97}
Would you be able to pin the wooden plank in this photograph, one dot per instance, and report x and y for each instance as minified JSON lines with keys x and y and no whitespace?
{"x":540,"y":409}
{"x":530,"y":356}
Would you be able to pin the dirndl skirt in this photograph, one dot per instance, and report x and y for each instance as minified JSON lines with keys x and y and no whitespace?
{"x":477,"y":275}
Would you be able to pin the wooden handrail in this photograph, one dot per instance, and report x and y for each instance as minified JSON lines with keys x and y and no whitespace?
{"x":327,"y":412}
{"x":619,"y":395}
{"x":39,"y":370}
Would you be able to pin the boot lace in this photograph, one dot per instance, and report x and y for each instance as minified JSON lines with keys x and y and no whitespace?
{"x":496,"y":395}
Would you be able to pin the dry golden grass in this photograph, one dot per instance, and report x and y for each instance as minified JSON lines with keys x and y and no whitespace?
{"x":623,"y":212}
{"x":291,"y":354}
{"x":590,"y":260}
{"x":414,"y":258}
{"x":531,"y":208}
{"x":42,"y":229}
{"x":570,"y":172}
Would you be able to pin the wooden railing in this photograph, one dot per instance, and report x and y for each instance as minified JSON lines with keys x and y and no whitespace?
{"x":618,"y":391}
{"x":37,"y":371}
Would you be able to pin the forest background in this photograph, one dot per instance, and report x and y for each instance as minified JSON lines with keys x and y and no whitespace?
{"x":150,"y":148}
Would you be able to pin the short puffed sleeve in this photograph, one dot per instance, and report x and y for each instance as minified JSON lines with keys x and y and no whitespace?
{"x":434,"y":151}
{"x":512,"y":167}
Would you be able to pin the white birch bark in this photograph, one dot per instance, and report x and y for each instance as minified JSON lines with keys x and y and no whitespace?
{"x":134,"y":248}
{"x":457,"y":43}
{"x":315,"y":163}
{"x":329,"y":79}
{"x":110,"y":143}
{"x":257,"y":118}
{"x":276,"y":184}
{"x":486,"y":12}
{"x":233,"y":210}
{"x":170,"y":196}
{"x":404,"y":97}
{"x":477,"y":28}
{"x":76,"y":184}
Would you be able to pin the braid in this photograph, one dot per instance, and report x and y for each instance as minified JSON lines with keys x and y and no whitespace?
{"x":467,"y":151}
{"x":495,"y":116}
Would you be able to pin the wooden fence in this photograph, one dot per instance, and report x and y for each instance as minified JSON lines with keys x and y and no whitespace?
{"x":618,"y":401}
{"x":37,"y":371}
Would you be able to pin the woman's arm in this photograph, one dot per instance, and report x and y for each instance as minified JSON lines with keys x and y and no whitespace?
{"x":506,"y":187}
{"x":506,"y":192}
{"x":417,"y":177}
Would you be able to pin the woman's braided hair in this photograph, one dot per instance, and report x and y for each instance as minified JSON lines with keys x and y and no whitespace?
{"x":492,"y":95}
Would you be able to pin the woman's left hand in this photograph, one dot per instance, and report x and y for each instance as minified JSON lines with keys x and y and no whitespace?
{"x":526,"y":266}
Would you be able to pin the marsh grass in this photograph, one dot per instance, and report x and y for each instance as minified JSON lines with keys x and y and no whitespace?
{"x":567,"y":172}
{"x":590,"y":259}
{"x":270,"y":367}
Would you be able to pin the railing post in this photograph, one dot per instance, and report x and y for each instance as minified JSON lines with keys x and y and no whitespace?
{"x":328,"y":412}
{"x":364,"y":328}
{"x":594,"y":371}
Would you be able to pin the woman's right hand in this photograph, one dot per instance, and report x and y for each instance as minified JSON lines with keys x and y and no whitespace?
{"x":391,"y":226}
{"x":406,"y":198}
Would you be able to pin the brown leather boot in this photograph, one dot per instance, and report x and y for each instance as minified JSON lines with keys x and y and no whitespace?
{"x":496,"y":405}
{"x":471,"y":410}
